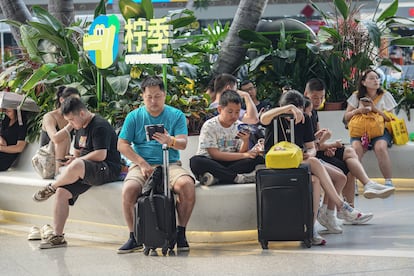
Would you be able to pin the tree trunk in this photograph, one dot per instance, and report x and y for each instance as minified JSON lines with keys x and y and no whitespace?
{"x":63,"y":10}
{"x":15,"y":10}
{"x":232,"y":53}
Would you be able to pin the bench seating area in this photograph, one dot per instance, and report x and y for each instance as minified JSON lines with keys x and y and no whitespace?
{"x":222,"y":213}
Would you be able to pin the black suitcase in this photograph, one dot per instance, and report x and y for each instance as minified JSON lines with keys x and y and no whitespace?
{"x":155,"y":222}
{"x":284,"y":203}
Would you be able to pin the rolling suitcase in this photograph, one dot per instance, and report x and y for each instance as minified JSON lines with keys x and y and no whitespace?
{"x":155,"y":223}
{"x":284,"y":203}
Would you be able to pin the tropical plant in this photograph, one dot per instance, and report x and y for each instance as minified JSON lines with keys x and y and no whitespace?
{"x":403,"y":93}
{"x":348,"y":45}
{"x":278,"y":56}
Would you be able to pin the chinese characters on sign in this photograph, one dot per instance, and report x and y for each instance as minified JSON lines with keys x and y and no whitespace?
{"x":151,"y":36}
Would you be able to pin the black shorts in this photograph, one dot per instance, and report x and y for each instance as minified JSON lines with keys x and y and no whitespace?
{"x":337,"y":160}
{"x":96,"y":173}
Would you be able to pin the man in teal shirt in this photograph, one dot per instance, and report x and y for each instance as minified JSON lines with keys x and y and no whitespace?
{"x":146,"y":152}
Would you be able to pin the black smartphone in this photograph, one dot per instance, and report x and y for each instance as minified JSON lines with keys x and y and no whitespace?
{"x":365,"y":99}
{"x":63,"y":160}
{"x":151,"y":129}
{"x":244,"y":128}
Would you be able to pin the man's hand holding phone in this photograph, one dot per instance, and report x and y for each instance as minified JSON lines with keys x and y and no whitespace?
{"x":150,"y":130}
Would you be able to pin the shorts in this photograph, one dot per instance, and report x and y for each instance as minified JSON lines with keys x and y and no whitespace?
{"x":337,"y":160}
{"x":175,"y":170}
{"x":96,"y":173}
{"x":387,"y":137}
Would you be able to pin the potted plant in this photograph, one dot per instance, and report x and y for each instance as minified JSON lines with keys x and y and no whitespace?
{"x":348,"y":44}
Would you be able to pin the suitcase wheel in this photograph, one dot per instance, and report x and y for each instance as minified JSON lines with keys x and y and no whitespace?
{"x":154,"y":252}
{"x":264,"y":244}
{"x":308,"y":243}
{"x":146,"y":251}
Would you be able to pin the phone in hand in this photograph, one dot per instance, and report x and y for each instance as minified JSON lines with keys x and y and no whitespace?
{"x":63,"y":160}
{"x":365,"y":99}
{"x":151,"y":129}
{"x":244,"y":128}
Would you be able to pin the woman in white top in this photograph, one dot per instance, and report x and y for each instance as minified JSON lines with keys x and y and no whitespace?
{"x":375,"y":100}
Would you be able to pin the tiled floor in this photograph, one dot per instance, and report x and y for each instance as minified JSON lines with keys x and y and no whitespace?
{"x":383,"y":247}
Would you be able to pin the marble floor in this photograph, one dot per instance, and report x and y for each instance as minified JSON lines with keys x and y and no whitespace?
{"x":384,"y":246}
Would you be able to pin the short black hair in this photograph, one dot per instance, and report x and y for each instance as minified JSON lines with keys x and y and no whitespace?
{"x":152,"y":81}
{"x":244,"y":82}
{"x":222,"y":81}
{"x":292,"y":97}
{"x":315,"y":84}
{"x":72,"y":105}
{"x":229,"y":96}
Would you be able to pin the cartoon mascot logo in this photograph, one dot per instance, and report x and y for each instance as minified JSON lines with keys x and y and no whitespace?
{"x":102,"y":40}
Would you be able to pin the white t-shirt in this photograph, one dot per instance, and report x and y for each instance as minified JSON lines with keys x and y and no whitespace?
{"x":386,"y":103}
{"x":214,"y":135}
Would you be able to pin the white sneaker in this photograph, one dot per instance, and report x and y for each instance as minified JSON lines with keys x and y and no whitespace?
{"x":246,"y":177}
{"x":329,"y":222}
{"x":208,"y":179}
{"x":34,"y":234}
{"x":349,"y":213}
{"x":46,"y":231}
{"x":317,"y":239}
{"x":375,"y":190}
{"x":364,"y":218}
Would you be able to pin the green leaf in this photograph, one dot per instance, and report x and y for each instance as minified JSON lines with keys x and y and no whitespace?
{"x":342,"y":7}
{"x":403,"y":41}
{"x":14,"y":23}
{"x":66,"y":69}
{"x":390,"y":11}
{"x":46,"y":18}
{"x":100,"y":8}
{"x":254,"y":36}
{"x":257,"y":61}
{"x":148,"y":8}
{"x":119,"y":84}
{"x":373,"y":31}
{"x":37,"y":76}
{"x":182,"y":21}
{"x":130,"y":9}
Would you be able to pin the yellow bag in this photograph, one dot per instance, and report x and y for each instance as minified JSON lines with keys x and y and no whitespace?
{"x":284,"y":155}
{"x":397,"y":128}
{"x":371,"y":123}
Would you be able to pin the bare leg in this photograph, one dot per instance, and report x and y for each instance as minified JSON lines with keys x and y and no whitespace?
{"x":130,"y":192}
{"x":319,"y":171}
{"x":354,"y":165}
{"x":384,"y":162}
{"x":61,"y":150}
{"x":338,"y":179}
{"x":61,"y":210}
{"x":185,"y":190}
{"x":74,"y":171}
{"x":316,"y":186}
{"x":349,"y":190}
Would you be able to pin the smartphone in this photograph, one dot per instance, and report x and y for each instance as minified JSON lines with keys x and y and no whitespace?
{"x":151,"y":129}
{"x":63,"y":160}
{"x":244,"y":128}
{"x":365,"y":99}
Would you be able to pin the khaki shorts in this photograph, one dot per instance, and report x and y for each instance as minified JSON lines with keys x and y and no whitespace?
{"x":174,"y":172}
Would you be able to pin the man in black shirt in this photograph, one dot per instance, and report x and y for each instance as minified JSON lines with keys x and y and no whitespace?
{"x":96,"y":161}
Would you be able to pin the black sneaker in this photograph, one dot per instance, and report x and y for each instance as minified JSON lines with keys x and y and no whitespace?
{"x":130,"y":246}
{"x":182,"y":244}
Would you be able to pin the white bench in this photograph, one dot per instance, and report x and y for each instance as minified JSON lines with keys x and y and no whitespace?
{"x":221,"y":213}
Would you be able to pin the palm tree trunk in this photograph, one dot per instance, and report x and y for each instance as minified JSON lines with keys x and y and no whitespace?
{"x":15,"y":10}
{"x":232,"y":53}
{"x":63,"y":10}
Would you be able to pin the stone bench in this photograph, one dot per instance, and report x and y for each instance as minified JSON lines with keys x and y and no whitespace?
{"x":221,"y":213}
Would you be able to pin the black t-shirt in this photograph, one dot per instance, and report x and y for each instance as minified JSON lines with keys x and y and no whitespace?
{"x":97,"y":135}
{"x":263,"y":104}
{"x":303,"y":132}
{"x":11,"y":134}
{"x":315,"y":120}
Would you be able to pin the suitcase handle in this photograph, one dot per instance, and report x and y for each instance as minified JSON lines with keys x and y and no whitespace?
{"x":165,"y":162}
{"x":276,"y":131}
